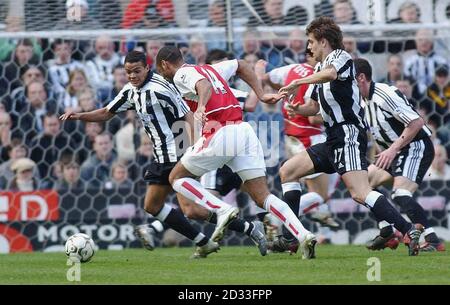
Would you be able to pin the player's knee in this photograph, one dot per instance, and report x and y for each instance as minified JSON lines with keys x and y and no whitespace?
{"x":285,"y":173}
{"x":189,"y":212}
{"x":152,"y":208}
{"x":358,"y":197}
{"x":173,"y":176}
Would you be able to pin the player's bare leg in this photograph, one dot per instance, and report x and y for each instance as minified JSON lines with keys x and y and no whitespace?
{"x":357,"y":182}
{"x":259,"y":192}
{"x":255,"y":229}
{"x":318,"y":193}
{"x":183,"y":183}
{"x":154,"y":204}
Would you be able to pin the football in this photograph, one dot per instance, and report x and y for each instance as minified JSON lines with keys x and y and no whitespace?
{"x":80,"y":248}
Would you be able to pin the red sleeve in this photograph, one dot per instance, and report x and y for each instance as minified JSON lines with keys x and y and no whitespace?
{"x":302,"y":90}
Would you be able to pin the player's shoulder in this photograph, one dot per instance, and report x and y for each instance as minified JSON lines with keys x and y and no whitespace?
{"x":161,"y":85}
{"x":337,"y":54}
{"x":183,"y":73}
{"x":384,"y":90}
{"x":386,"y":94}
{"x":128,"y":86}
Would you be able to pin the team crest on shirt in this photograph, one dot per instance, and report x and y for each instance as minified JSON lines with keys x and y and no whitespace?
{"x":145,"y":117}
{"x":183,"y":78}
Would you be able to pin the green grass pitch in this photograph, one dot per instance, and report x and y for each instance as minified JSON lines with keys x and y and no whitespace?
{"x":231,"y":265}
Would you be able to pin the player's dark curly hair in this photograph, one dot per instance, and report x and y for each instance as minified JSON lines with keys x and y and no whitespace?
{"x":169,"y":53}
{"x":325,"y":27}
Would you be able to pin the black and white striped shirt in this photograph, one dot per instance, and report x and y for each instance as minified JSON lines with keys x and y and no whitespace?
{"x":59,"y":74}
{"x":159,"y":107}
{"x":339,"y":99}
{"x":388,"y":113}
{"x":100,"y":71}
{"x":422,"y":68}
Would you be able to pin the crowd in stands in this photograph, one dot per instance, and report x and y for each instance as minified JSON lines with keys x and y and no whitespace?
{"x":42,"y":78}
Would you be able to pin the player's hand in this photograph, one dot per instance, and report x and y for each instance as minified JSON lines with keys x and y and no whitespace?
{"x":260,"y":68}
{"x":385,"y":158}
{"x":291,"y":109}
{"x":289,"y":90}
{"x":270,"y":98}
{"x":69,"y":115}
{"x":200,"y":115}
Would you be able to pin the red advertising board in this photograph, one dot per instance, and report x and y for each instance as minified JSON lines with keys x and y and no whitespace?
{"x":29,"y":206}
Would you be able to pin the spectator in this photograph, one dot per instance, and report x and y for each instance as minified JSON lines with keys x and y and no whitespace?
{"x":197,"y":51}
{"x":96,"y":169}
{"x":216,"y":18}
{"x":344,"y":13}
{"x":406,"y":86}
{"x":7,"y":45}
{"x":23,"y":180}
{"x":271,"y":15}
{"x":438,"y":94}
{"x":70,"y":179}
{"x":423,"y":64}
{"x":47,"y":147}
{"x":5,"y":135}
{"x":394,"y":70}
{"x":296,"y":15}
{"x":274,"y":50}
{"x":28,"y":74}
{"x":100,"y":68}
{"x":90,"y":131}
{"x":440,"y":169}
{"x":151,"y":48}
{"x":124,"y":138}
{"x":252,"y":44}
{"x":86,"y":102}
{"x":408,"y":13}
{"x":350,"y":46}
{"x":15,"y":151}
{"x":77,"y":83}
{"x":62,"y":65}
{"x":23,"y":55}
{"x":119,"y":177}
{"x":77,"y":17}
{"x":295,"y":53}
{"x":120,"y":80}
{"x":32,"y":115}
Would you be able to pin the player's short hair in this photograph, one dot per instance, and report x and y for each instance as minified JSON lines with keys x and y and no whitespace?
{"x":325,"y":27}
{"x":136,"y":56}
{"x":169,"y":53}
{"x":363,"y":66}
{"x":216,"y":55}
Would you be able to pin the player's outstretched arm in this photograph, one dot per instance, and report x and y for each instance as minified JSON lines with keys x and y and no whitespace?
{"x":98,"y":115}
{"x":326,"y":75}
{"x":246,"y":73}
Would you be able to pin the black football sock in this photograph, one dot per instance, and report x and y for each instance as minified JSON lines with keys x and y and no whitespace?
{"x":292,"y":193}
{"x":176,"y":220}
